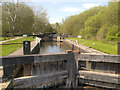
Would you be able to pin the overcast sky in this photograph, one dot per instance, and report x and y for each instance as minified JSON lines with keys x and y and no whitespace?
{"x":61,"y":9}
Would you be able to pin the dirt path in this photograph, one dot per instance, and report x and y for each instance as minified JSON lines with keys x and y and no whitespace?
{"x":10,"y":40}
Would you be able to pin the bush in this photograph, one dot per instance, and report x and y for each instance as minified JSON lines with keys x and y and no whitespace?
{"x":112,"y":34}
{"x":101,"y":34}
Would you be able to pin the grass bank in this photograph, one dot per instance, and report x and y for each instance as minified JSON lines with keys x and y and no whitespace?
{"x":7,"y":38}
{"x":98,"y":45}
{"x":8,"y":49}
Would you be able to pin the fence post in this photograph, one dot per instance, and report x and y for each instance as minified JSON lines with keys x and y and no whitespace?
{"x":26,"y":51}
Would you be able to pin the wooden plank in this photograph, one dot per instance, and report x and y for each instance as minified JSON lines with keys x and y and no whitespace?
{"x":99,"y":58}
{"x":50,"y":57}
{"x":16,"y":60}
{"x":28,"y":59}
{"x":4,"y":85}
{"x":39,"y":79}
{"x":40,"y":83}
{"x":107,"y":86}
{"x":99,"y":76}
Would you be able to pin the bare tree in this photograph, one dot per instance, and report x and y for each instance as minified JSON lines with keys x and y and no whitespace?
{"x":12,"y":15}
{"x":40,"y":19}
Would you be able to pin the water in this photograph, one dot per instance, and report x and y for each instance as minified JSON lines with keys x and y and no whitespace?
{"x":53,"y":47}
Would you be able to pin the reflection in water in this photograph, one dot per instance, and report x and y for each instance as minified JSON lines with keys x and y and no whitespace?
{"x":58,"y":44}
{"x":53,"y":47}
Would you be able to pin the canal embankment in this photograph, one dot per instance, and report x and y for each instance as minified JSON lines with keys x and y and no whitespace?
{"x":55,"y":46}
{"x":82,"y":48}
{"x":65,"y":44}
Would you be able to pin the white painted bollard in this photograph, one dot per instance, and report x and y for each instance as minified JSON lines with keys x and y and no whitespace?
{"x":36,"y":39}
{"x":76,"y":42}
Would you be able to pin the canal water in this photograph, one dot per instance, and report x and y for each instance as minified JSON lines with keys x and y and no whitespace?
{"x":53,"y":47}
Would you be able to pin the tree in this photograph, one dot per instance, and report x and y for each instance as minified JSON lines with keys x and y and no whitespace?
{"x":56,"y":26}
{"x":101,"y":23}
{"x":25,"y":20}
{"x":94,"y":24}
{"x":76,"y":23}
{"x":112,"y":33}
{"x":40,"y":20}
{"x":101,"y":34}
{"x":18,"y":22}
{"x":48,"y":29}
{"x":11,"y":10}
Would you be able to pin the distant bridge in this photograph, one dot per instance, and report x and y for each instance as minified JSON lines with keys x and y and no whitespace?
{"x":40,"y":35}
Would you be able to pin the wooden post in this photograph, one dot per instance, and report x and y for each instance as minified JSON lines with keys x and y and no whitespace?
{"x":1,"y":74}
{"x":72,"y":47}
{"x":72,"y":68}
{"x":76,"y":53}
{"x":26,"y":51}
{"x":118,"y":52}
{"x":118,"y":66}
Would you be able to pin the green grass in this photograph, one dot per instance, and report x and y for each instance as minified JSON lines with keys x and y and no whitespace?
{"x":8,"y":49}
{"x":7,"y":38}
{"x":98,"y":45}
{"x":21,"y":40}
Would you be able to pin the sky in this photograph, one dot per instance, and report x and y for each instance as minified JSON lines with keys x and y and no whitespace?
{"x":61,"y":9}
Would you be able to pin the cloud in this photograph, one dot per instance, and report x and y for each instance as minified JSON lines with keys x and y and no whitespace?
{"x":55,"y":19}
{"x":90,"y":5}
{"x":55,"y":2}
{"x":70,"y":9}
